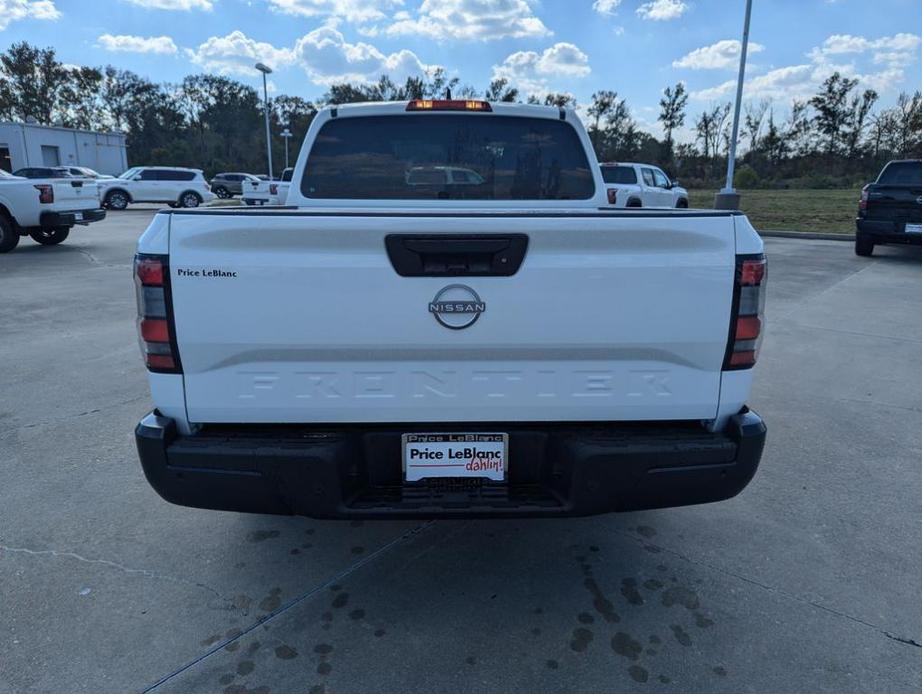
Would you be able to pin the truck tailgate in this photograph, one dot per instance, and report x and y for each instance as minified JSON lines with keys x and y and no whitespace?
{"x":73,"y":194}
{"x":295,"y":317}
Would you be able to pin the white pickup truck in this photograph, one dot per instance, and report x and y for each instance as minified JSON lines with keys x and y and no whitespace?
{"x":45,"y":209}
{"x":505,"y":346}
{"x":641,"y":185}
{"x":260,"y":192}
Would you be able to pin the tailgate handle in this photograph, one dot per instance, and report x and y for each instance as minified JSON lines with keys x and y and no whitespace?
{"x":456,"y":255}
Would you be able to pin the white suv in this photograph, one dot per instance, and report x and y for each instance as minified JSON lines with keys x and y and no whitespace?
{"x":174,"y":185}
{"x":641,"y":185}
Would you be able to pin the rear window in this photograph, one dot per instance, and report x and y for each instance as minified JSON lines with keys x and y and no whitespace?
{"x":447,"y":157}
{"x":619,"y":174}
{"x":902,"y":173}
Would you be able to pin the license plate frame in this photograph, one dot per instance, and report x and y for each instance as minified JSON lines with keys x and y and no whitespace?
{"x":446,"y":456}
{"x":913,"y":229}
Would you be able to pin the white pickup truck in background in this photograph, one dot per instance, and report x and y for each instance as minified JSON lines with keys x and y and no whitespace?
{"x":641,"y":185}
{"x":260,"y":192}
{"x":45,"y":209}
{"x":392,"y":344}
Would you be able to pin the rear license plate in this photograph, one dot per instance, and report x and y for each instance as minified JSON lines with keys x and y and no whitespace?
{"x":455,"y":455}
{"x":914,"y":228}
{"x":78,"y":216}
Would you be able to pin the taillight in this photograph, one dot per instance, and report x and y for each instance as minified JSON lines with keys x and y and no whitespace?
{"x":612,"y":196}
{"x":155,"y":319}
{"x":45,"y":193}
{"x":748,"y":320}
{"x":449,"y":105}
{"x":273,"y":189}
{"x":863,"y":200}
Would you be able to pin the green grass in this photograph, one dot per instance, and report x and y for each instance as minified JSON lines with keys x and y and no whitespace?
{"x":828,"y":211}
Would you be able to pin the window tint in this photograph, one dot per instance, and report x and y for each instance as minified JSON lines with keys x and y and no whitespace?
{"x":405,"y":157}
{"x":286,"y":174}
{"x":176,"y":175}
{"x":150,"y":175}
{"x":648,"y":177}
{"x":902,"y":173}
{"x":619,"y":174}
{"x":660,"y":178}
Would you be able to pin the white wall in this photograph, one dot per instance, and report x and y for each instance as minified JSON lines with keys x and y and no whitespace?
{"x":104,"y":152}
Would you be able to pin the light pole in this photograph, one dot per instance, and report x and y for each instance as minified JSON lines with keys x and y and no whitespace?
{"x":286,"y":133}
{"x":266,"y":70}
{"x":728,"y":198}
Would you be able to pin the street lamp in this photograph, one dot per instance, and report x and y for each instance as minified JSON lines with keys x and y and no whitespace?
{"x":266,"y":70}
{"x":286,"y":133}
{"x":728,"y":198}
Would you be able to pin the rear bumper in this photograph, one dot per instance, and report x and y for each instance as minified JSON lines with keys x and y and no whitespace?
{"x":355,"y":471}
{"x":887,"y":231}
{"x":70,"y":218}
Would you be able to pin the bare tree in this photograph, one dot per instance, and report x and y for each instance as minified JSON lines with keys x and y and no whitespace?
{"x":752,"y":124}
{"x":672,"y":111}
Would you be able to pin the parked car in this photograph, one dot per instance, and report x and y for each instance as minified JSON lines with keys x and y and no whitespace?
{"x":641,"y":185}
{"x":43,"y":172}
{"x":44,"y":208}
{"x":176,"y":186}
{"x":266,"y":192}
{"x":227,"y":185}
{"x":86,"y":172}
{"x":890,"y":209}
{"x":379,"y":349}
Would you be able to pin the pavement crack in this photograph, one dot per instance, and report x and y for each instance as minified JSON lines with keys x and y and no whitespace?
{"x":777,"y":591}
{"x":337,"y":578}
{"x":147,"y":573}
{"x":902,"y":639}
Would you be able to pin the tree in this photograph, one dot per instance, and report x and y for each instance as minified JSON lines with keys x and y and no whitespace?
{"x":560,"y":100}
{"x":672,"y":111}
{"x":80,"y":105}
{"x":832,"y":109}
{"x":36,"y":79}
{"x":603,"y":103}
{"x":752,"y":123}
{"x":499,"y":90}
{"x":708,"y":127}
{"x":774,"y":145}
{"x":857,"y":120}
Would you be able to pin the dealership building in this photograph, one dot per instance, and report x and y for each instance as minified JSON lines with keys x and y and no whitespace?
{"x":30,"y":144}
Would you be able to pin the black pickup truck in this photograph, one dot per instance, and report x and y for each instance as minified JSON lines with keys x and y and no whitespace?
{"x":890,"y":209}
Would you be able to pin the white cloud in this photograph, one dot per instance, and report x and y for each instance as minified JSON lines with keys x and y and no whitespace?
{"x":606,"y":6}
{"x":662,"y":10}
{"x":720,"y":55}
{"x":898,"y":50}
{"x":236,"y":53}
{"x":138,"y":44}
{"x":893,"y":53}
{"x":531,"y":71}
{"x":357,"y":11}
{"x":14,"y":10}
{"x":328,"y":58}
{"x":469,"y":20}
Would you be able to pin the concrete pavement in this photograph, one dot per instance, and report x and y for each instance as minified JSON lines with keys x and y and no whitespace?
{"x":808,"y":581}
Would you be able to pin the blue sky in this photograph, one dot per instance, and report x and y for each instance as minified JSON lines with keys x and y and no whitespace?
{"x":635,"y":47}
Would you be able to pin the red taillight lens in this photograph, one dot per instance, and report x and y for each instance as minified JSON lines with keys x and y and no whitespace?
{"x":863,"y":200}
{"x":273,"y":189}
{"x":45,"y":193}
{"x":612,"y":196}
{"x":748,"y":313}
{"x":149,"y":271}
{"x":155,"y":323}
{"x":154,"y":330}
